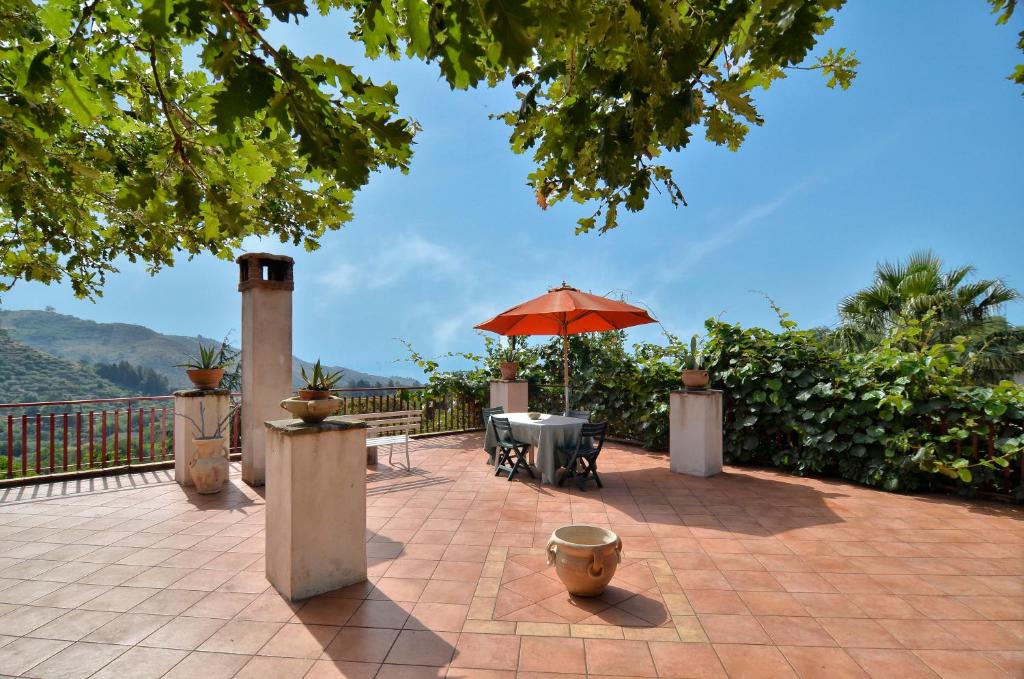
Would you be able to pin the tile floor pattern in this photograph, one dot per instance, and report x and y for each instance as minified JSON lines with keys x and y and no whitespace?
{"x":749,"y":574}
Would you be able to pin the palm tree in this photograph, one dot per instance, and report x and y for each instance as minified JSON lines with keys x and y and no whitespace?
{"x":947,"y":303}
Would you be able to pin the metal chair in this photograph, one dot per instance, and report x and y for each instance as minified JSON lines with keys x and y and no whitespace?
{"x":581,"y":461}
{"x":486,"y":416}
{"x":512,"y":456}
{"x":578,"y":414}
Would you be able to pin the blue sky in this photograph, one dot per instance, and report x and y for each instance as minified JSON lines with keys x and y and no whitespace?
{"x":923,"y":151}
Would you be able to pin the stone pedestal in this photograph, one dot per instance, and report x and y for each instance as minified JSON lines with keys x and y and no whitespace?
{"x":216,"y":404}
{"x":315,"y":505}
{"x":266,"y":284}
{"x":695,"y":432}
{"x":512,"y":395}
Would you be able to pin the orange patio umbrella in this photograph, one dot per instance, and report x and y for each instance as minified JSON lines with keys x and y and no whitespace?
{"x":566,"y":311}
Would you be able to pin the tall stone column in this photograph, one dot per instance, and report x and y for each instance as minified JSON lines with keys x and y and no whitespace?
{"x":695,"y":431}
{"x":316,"y":505}
{"x":266,"y":284}
{"x":512,"y":395}
{"x":215,"y":403}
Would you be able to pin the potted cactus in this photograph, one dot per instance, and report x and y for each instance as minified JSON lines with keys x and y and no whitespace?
{"x":694,"y":375}
{"x":509,"y":364}
{"x":205,"y":369}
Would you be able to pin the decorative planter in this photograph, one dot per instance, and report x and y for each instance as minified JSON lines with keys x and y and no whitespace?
{"x":313,"y":394}
{"x":585,"y":558}
{"x":508,"y":370}
{"x":695,"y":379}
{"x":209,"y":467}
{"x":312,"y":411}
{"x":205,"y":378}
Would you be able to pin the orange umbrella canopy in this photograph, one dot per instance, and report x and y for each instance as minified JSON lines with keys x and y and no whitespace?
{"x":566,"y":311}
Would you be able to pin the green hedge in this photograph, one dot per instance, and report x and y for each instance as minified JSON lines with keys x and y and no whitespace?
{"x":901,"y":416}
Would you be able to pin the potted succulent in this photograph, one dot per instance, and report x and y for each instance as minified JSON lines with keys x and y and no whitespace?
{"x":317,"y":384}
{"x":209,"y":467}
{"x":205,"y":369}
{"x":694,"y":375}
{"x":314,"y":401}
{"x":509,"y":364}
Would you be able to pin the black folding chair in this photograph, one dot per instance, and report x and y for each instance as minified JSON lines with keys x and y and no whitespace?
{"x":512,"y":453}
{"x":486,"y":414}
{"x":578,"y":414}
{"x":581,"y":461}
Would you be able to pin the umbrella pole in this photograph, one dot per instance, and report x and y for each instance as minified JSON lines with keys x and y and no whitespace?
{"x":565,"y":368}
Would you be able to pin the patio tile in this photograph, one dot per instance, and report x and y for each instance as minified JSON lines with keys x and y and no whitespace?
{"x":435,"y":616}
{"x":743,"y":661}
{"x":552,"y":654}
{"x":787,"y":630}
{"x":858,"y":633}
{"x":361,"y":644}
{"x":20,"y":655}
{"x":141,"y":663}
{"x":128,"y":628}
{"x":73,"y":625}
{"x":207,"y":666}
{"x":891,"y":663}
{"x":387,"y":614}
{"x":413,"y":647}
{"x":340,"y":669}
{"x":822,"y":663}
{"x":240,"y":636}
{"x":23,"y":619}
{"x":78,"y":661}
{"x":183,"y":633}
{"x":733,"y":629}
{"x":266,"y":667}
{"x":300,"y":641}
{"x":619,"y":657}
{"x":959,"y":664}
{"x":687,"y":661}
{"x":486,"y":651}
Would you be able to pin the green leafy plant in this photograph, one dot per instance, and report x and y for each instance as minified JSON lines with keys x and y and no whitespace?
{"x":211,"y":357}
{"x":149,"y":130}
{"x":319,"y":379}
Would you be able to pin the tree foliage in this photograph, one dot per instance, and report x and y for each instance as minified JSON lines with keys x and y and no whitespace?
{"x":144,"y":129}
{"x":947,"y":304}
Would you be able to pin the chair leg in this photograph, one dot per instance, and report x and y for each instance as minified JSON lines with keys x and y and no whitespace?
{"x":408,"y":465}
{"x":391,"y":451}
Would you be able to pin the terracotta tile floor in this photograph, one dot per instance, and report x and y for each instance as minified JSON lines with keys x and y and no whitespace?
{"x":749,"y":574}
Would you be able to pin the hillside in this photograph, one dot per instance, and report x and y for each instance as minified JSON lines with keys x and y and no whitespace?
{"x":78,"y":340}
{"x":27,"y":374}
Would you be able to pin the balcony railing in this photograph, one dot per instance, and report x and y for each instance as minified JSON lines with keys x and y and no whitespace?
{"x":65,"y":437}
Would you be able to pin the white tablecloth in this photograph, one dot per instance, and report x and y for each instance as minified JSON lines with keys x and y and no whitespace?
{"x":545,"y":435}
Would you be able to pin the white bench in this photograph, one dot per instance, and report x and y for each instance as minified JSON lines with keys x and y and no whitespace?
{"x":387,"y":429}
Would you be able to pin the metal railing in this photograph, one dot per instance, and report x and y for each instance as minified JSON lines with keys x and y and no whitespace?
{"x":64,"y":437}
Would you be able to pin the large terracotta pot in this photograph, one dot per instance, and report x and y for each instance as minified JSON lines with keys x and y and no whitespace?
{"x":312,"y":411}
{"x":209,"y":467}
{"x":695,"y":379}
{"x":508,"y":370}
{"x":585,"y":558}
{"x":205,"y":378}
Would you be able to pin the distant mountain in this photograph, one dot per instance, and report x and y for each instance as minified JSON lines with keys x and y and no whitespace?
{"x":87,"y":342}
{"x":27,"y":374}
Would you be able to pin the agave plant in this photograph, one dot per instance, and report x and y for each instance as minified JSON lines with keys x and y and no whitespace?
{"x":319,"y":379}
{"x":210,"y":357}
